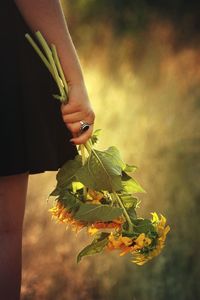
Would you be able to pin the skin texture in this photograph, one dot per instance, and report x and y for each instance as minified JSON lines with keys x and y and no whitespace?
{"x":13,"y":191}
{"x":46,"y":16}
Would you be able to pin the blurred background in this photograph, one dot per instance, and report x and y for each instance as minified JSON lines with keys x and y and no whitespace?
{"x":141,"y":63}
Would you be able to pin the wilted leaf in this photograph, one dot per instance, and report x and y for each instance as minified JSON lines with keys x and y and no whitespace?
{"x":96,"y":212}
{"x":95,"y":247}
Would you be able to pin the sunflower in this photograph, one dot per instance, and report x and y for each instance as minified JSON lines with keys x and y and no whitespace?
{"x":115,"y":224}
{"x":62,"y":215}
{"x":94,"y":196}
{"x":141,"y":257}
{"x":127,"y":244}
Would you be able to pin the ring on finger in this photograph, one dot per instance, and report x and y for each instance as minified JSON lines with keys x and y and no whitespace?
{"x":84,"y":126}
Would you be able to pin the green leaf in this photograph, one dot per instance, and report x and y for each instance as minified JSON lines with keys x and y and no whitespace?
{"x":130,"y":168}
{"x":127,"y":233}
{"x":132,"y":213}
{"x":129,"y":201}
{"x":102,"y":170}
{"x":55,"y":192}
{"x":59,"y":97}
{"x":94,"y":137}
{"x":96,"y":212}
{"x":69,"y":201}
{"x":142,"y":226}
{"x":115,"y":157}
{"x":139,"y":226}
{"x":66,"y":174}
{"x":97,"y":246}
{"x":100,"y":236}
{"x":130,"y":185}
{"x":77,"y":186}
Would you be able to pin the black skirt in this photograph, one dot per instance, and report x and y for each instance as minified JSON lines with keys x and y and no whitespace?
{"x":33,"y":135}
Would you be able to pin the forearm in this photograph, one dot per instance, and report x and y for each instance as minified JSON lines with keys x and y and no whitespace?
{"x":47,"y":17}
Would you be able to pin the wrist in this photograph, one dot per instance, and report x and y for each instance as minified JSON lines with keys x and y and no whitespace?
{"x":77,"y":84}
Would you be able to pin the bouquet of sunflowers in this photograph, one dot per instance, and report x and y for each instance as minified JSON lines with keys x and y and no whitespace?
{"x":96,"y":191}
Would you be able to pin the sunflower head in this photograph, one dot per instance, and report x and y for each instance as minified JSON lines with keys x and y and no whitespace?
{"x":61,"y":215}
{"x":154,"y":248}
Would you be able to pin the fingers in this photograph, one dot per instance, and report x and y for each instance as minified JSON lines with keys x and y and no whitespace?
{"x":82,"y":139}
{"x":70,"y":108}
{"x":76,"y":113}
{"x":75,"y":128}
{"x":72,"y":115}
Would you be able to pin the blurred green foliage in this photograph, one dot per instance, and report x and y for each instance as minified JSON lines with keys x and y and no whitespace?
{"x":128,"y":17}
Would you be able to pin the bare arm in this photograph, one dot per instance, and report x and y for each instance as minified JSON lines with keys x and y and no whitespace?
{"x":47,"y":16}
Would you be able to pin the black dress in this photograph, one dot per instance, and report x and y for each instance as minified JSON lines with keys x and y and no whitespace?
{"x":33,"y":136}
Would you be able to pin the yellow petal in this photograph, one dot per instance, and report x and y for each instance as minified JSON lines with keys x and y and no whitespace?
{"x":92,"y":230}
{"x":155,"y":218}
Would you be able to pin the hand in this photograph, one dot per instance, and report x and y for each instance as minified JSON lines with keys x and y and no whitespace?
{"x":78,"y":109}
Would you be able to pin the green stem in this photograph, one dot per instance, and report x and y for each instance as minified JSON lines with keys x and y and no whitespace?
{"x":60,"y":70}
{"x":39,"y":52}
{"x":126,"y":215}
{"x":89,"y":148}
{"x":52,"y":63}
{"x":83,"y":157}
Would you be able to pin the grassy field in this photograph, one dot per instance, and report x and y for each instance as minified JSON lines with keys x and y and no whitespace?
{"x":150,"y":109}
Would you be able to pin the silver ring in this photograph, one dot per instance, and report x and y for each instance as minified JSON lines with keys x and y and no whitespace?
{"x":84,"y":126}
